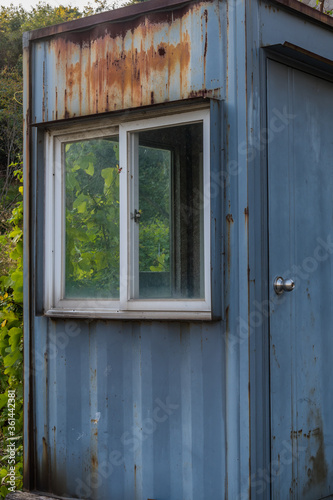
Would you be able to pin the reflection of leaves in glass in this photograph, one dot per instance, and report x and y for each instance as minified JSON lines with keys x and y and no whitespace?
{"x":107,"y":176}
{"x":90,"y":170}
{"x":161,"y":265}
{"x":153,"y":243}
{"x":154,"y":195}
{"x":92,"y":218}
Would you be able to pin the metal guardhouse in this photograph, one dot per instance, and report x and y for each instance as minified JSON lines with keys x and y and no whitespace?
{"x":178,"y":253}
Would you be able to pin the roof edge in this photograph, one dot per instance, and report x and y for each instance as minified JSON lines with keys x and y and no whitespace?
{"x":139,"y":9}
{"x":115,"y":15}
{"x":306,"y":11}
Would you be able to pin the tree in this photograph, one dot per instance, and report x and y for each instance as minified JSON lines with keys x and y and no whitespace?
{"x":10,"y":133}
{"x":12,"y":20}
{"x":45,"y":15}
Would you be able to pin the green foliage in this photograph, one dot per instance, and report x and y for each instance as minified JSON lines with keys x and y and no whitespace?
{"x":92,"y":218}
{"x":154,"y":198}
{"x":11,"y":346}
{"x":43,"y":14}
{"x":12,"y":20}
{"x":154,"y":243}
{"x":10,"y":129}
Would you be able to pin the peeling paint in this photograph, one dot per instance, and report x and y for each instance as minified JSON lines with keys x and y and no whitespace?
{"x":148,"y":60}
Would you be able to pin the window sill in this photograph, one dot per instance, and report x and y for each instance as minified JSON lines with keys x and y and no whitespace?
{"x":129,"y":315}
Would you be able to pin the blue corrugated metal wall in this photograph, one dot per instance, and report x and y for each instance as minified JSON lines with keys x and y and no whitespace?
{"x":167,"y":411}
{"x":130,"y":410}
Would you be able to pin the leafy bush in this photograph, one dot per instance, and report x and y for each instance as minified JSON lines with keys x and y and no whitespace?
{"x":11,"y":349}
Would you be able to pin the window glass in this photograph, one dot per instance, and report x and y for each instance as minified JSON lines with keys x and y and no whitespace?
{"x":170,"y":212}
{"x":92,"y":218}
{"x":155,"y":222}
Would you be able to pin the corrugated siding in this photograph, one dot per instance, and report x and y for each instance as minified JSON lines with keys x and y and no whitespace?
{"x":130,"y":410}
{"x":127,"y":410}
{"x":157,"y":58}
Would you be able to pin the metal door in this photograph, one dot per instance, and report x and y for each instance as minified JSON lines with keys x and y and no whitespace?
{"x":300,"y":193}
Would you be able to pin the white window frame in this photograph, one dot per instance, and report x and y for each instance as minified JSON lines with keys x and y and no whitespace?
{"x":126,"y":307}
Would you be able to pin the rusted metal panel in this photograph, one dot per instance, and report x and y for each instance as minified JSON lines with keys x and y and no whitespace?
{"x":157,"y":58}
{"x":108,"y":16}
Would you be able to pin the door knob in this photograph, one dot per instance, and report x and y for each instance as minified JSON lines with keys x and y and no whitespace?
{"x":281,"y":285}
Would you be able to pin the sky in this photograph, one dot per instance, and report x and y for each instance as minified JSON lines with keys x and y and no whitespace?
{"x":27,"y":4}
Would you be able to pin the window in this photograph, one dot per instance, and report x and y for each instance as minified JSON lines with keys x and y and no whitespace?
{"x":128,"y":218}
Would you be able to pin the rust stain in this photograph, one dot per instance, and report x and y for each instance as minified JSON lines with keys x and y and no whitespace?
{"x":54,"y":464}
{"x":46,"y":372}
{"x":180,"y":70}
{"x":117,"y":65}
{"x":43,"y":102}
{"x":319,"y":470}
{"x":117,"y":16}
{"x":123,"y":77}
{"x":45,"y":476}
{"x":308,"y":435}
{"x":73,"y":75}
{"x":56,"y":104}
{"x":295,"y":434}
{"x":67,"y":115}
{"x":45,"y":454}
{"x":94,"y":461}
{"x":316,"y":465}
{"x":120,"y":65}
{"x":227,"y":320}
{"x":203,"y":93}
{"x":274,"y":353}
{"x":205,"y":17}
{"x":230,"y":221}
{"x":93,"y":377}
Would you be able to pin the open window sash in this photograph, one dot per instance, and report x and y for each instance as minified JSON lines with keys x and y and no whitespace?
{"x":138,"y":136}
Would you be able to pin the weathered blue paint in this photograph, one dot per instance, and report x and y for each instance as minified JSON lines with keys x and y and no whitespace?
{"x":125,"y":409}
{"x":299,"y":162}
{"x":216,"y":201}
{"x":99,"y":425}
